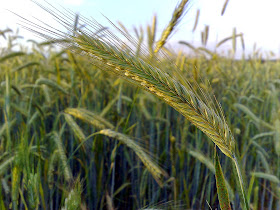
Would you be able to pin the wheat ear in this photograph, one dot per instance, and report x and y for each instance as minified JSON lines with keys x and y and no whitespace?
{"x":105,"y":50}
{"x":184,"y":99}
{"x":154,"y":169}
{"x":177,"y":14}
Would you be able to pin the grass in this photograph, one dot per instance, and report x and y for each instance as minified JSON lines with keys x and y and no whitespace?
{"x":56,"y":107}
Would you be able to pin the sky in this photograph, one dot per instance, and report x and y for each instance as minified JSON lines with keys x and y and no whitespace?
{"x":256,"y":19}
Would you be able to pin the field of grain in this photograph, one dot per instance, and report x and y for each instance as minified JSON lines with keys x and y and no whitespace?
{"x":94,"y":125}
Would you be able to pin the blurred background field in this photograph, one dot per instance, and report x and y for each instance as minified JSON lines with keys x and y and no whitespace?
{"x":56,"y":151}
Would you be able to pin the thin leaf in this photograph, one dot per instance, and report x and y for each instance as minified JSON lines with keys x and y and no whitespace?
{"x":221,"y":185}
{"x":267,"y":176}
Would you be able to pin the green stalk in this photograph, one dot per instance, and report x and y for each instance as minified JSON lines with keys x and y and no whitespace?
{"x":241,"y":182}
{"x":7,"y":110}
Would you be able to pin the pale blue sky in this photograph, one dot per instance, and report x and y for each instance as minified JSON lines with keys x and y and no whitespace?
{"x":257,"y":19}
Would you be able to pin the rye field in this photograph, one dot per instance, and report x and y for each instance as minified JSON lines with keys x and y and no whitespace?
{"x":89,"y":120}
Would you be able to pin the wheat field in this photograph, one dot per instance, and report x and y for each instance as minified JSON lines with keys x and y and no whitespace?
{"x":92,"y":119}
